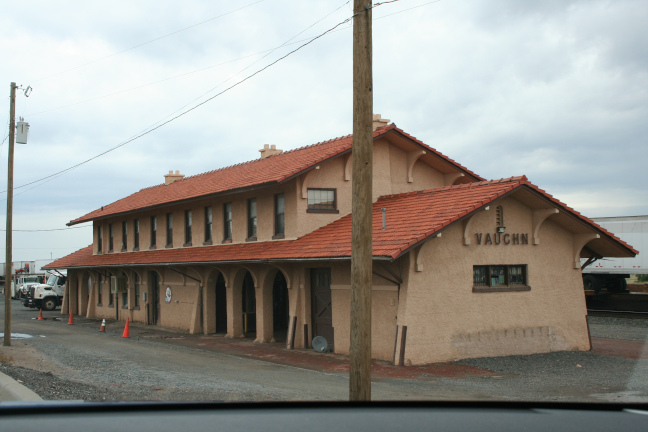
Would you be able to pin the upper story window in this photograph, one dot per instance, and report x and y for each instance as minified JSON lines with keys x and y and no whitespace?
{"x":322,"y":201}
{"x":100,"y":239}
{"x":498,"y":278}
{"x":280,"y":220}
{"x":136,"y":228}
{"x":188,"y":224}
{"x":124,"y":235}
{"x":252,"y":219}
{"x":153,"y":231}
{"x":227,"y":221}
{"x":208,"y":224}
{"x":110,"y":237}
{"x":169,"y":230}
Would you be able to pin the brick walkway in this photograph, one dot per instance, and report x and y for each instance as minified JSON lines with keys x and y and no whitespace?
{"x":621,"y":348}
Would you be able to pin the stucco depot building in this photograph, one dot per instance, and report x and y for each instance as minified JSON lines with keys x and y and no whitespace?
{"x":463,"y":267}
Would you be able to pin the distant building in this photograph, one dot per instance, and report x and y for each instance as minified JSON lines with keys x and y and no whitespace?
{"x":463,"y":267}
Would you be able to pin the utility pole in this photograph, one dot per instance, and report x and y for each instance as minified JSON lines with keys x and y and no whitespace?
{"x":9,"y":244}
{"x":361,"y":249}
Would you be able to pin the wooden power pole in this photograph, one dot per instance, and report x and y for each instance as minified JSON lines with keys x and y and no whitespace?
{"x":8,"y":257}
{"x":361,"y":249}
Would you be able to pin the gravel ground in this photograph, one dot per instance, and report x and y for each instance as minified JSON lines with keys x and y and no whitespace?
{"x":634,"y":329}
{"x":104,"y":372}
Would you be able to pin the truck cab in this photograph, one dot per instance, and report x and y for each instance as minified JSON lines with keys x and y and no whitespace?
{"x":47,"y":296}
{"x":21,"y":283}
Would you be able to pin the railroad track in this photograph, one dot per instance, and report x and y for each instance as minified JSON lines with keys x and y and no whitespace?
{"x":618,"y":304}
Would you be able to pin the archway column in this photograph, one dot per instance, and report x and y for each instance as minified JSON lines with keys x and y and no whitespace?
{"x":263,"y":291}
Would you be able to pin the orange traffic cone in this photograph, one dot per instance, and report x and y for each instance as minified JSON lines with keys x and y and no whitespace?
{"x":40,"y":315}
{"x":126,"y":329}
{"x":71,"y":320}
{"x":102,"y":329}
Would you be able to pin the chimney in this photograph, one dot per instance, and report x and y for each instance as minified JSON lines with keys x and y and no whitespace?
{"x":269,"y":150}
{"x":170,"y":178}
{"x":379,"y":122}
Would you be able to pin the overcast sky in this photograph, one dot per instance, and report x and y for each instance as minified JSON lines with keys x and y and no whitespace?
{"x":553,"y":89}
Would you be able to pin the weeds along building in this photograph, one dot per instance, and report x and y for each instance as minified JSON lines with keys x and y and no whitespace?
{"x":463,"y":267}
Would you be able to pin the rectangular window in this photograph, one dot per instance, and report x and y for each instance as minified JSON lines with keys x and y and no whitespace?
{"x":252,"y":219}
{"x":500,"y":278}
{"x":124,"y":300}
{"x":188,"y":223}
{"x":110,"y":237}
{"x":111,"y":301}
{"x":169,"y":230}
{"x":136,"y":234}
{"x":280,"y":221}
{"x":153,"y":231}
{"x":136,"y":284}
{"x":100,"y":239}
{"x":322,"y":201}
{"x":124,"y":235}
{"x":227,"y":221}
{"x":208,"y":224}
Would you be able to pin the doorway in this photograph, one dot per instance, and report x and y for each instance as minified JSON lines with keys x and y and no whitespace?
{"x":280,"y":308}
{"x":154,"y":303}
{"x":321,"y":304}
{"x":221,"y":305}
{"x":249,"y":305}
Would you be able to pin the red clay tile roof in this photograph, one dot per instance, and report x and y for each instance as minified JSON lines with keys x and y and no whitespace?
{"x":410,"y":219}
{"x":271,"y":170}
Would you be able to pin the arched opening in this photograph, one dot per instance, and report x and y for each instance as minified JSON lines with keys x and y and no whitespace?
{"x":280,"y":307}
{"x":249,"y":305}
{"x":221,"y":304}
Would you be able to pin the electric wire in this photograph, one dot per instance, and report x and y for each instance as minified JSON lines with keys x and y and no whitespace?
{"x":183,"y":113}
{"x":46,"y":230}
{"x":146,"y":43}
{"x":267,"y":52}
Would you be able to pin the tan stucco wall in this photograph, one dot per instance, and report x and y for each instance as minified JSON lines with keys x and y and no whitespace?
{"x":384,"y":308}
{"x":446,"y":320}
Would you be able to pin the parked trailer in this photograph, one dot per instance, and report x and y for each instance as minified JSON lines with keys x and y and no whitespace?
{"x":611,"y":273}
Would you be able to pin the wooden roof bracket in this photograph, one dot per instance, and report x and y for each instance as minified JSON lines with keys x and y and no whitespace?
{"x":412,"y":157}
{"x":347,"y":167}
{"x":304,"y":188}
{"x":449,"y":179}
{"x":580,"y":240}
{"x":466,"y":226}
{"x":418,"y":265}
{"x":185,"y":275}
{"x":539,"y":216}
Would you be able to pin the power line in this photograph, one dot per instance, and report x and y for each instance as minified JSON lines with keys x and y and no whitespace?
{"x":158,"y":126}
{"x":146,"y":43}
{"x":266,"y":52}
{"x":46,"y":230}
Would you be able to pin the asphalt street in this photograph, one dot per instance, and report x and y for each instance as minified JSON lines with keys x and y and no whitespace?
{"x":61,"y":361}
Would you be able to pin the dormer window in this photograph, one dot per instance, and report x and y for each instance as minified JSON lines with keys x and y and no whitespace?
{"x":322,"y":201}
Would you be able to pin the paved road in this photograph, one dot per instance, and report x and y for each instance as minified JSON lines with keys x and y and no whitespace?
{"x":77,"y":362}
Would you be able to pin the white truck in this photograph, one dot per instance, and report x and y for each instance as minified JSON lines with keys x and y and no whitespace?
{"x":47,"y":296}
{"x":21,"y":283}
{"x":611,"y":273}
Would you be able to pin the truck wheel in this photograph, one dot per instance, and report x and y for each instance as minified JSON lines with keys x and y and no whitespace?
{"x":617,"y":285}
{"x":591,"y":283}
{"x":49,"y":304}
